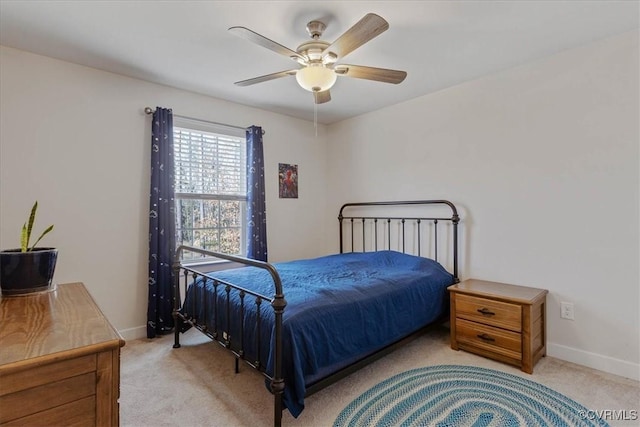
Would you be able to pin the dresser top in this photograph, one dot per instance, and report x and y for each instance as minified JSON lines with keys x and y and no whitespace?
{"x":484,"y":288}
{"x":59,"y":323}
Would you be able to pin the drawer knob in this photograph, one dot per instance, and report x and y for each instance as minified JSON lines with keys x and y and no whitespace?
{"x":486,"y":311}
{"x":485,"y":337}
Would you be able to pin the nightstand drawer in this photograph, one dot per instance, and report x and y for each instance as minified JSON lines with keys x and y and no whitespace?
{"x":489,"y":312}
{"x":488,"y":338}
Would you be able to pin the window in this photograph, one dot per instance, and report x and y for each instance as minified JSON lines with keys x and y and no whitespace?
{"x":210,"y":190}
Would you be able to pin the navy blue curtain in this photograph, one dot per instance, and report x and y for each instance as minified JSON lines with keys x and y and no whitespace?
{"x":161,"y":225}
{"x":256,"y":207}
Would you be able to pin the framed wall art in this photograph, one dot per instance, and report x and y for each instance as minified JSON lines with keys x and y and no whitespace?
{"x":288,"y":181}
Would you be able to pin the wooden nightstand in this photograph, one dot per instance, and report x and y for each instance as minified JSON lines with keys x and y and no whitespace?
{"x":500,"y":321}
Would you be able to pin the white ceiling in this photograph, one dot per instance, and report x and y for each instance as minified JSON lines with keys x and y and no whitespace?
{"x":186,"y":44}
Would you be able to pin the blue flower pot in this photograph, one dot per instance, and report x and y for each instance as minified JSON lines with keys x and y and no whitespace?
{"x":27,"y":272}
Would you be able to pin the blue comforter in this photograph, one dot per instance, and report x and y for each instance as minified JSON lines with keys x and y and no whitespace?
{"x":340,"y":308}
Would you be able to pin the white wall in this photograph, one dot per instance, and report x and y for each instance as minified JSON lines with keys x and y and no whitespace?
{"x":543,"y":162}
{"x":77,"y":140}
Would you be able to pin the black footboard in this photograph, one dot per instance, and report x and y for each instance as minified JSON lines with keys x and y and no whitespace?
{"x":184,"y":314}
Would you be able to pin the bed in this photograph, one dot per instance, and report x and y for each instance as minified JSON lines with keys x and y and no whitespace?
{"x":307,"y":323}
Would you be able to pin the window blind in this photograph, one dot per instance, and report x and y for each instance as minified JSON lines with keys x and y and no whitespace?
{"x":210,"y":164}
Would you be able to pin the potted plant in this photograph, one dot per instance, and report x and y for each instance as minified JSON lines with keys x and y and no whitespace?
{"x":27,"y":269}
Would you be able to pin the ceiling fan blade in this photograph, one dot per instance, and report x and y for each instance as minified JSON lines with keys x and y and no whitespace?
{"x":371,"y":73}
{"x":261,"y":40}
{"x":266,"y":78}
{"x":364,"y":30}
{"x":322,"y":97}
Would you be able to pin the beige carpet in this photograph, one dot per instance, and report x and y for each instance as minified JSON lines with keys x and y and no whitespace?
{"x":196,"y":385}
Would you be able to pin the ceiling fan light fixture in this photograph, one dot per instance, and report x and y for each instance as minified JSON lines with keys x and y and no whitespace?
{"x":319,"y":60}
{"x":316,"y":78}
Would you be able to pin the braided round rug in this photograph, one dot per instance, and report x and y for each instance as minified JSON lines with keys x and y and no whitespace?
{"x":460,"y":396}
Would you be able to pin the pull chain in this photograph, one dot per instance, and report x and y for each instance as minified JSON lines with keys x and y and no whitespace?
{"x":315,"y":111}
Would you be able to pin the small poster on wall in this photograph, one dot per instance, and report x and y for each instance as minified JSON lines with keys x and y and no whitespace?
{"x":288,"y":181}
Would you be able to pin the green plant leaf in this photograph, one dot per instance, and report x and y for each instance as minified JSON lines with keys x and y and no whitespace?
{"x":41,"y":236}
{"x":24,"y":240}
{"x":32,"y":219}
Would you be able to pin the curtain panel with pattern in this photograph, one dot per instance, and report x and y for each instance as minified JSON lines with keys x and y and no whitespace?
{"x":162,"y":225}
{"x":256,"y":206}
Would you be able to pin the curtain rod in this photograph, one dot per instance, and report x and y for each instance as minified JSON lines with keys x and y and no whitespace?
{"x":149,"y":110}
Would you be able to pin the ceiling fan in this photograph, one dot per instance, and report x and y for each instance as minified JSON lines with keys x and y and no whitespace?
{"x":318,"y":59}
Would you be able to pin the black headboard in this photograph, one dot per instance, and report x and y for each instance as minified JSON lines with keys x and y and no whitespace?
{"x":404,"y":226}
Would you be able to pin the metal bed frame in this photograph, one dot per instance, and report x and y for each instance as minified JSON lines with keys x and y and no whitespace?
{"x":381,"y":226}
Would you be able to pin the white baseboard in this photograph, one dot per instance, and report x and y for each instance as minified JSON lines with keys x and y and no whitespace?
{"x":134,"y":333}
{"x":595,"y":361}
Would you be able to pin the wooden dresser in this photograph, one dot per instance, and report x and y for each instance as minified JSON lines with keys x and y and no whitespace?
{"x":59,"y":360}
{"x":500,"y":321}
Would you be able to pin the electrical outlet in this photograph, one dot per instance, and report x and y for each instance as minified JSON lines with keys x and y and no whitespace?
{"x":566,"y":310}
